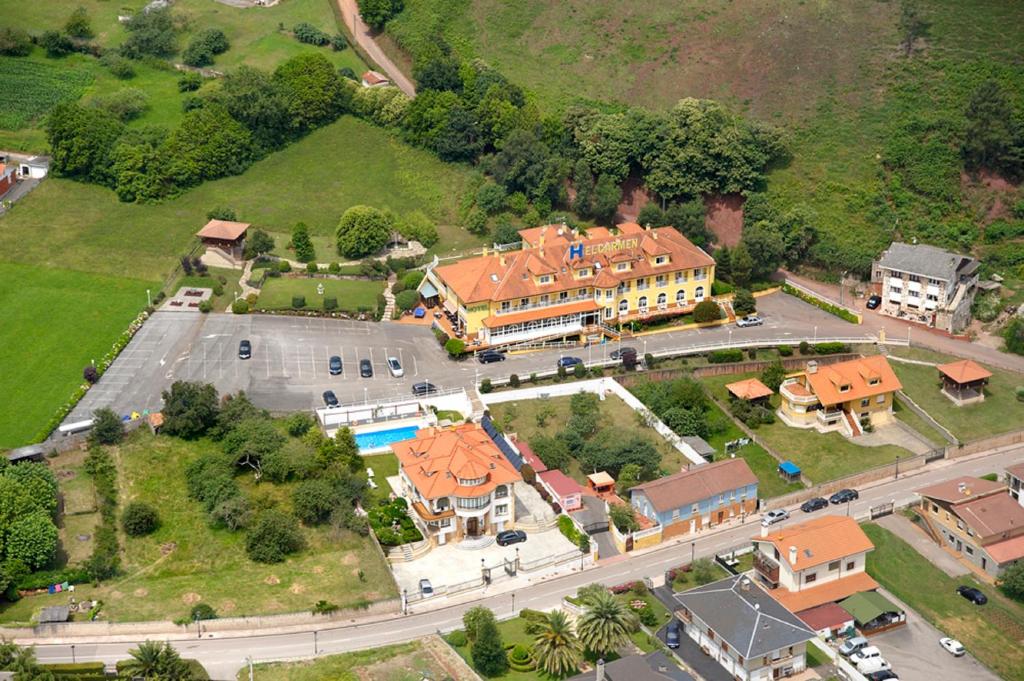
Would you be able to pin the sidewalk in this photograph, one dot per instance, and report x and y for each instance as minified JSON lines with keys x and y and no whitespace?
{"x":922,"y":543}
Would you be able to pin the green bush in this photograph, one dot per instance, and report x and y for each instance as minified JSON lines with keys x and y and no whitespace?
{"x":707,"y":311}
{"x":284,"y":266}
{"x":725,"y":356}
{"x":991,"y":477}
{"x":457,"y":638}
{"x":513,"y":380}
{"x":240,"y":306}
{"x":486,"y":386}
{"x":785,"y":351}
{"x":831,"y":348}
{"x":579,"y":370}
{"x":455,"y":347}
{"x":648,"y":617}
{"x":298,"y":302}
{"x":274,"y":536}
{"x":568,"y":529}
{"x":312,"y":268}
{"x":206,"y":307}
{"x":840,"y":312}
{"x":139,"y":519}
{"x":407,"y":300}
{"x":202,"y":611}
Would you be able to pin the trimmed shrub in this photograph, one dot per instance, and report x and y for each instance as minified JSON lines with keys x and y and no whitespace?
{"x":284,"y":266}
{"x":206,"y":307}
{"x":298,"y":302}
{"x":579,"y":370}
{"x":312,"y":268}
{"x":330,"y":304}
{"x":840,"y":312}
{"x":455,"y":347}
{"x":831,"y":348}
{"x":240,"y":306}
{"x":805,"y":348}
{"x":513,"y":380}
{"x":139,"y":519}
{"x":707,"y":311}
{"x":785,"y":351}
{"x":486,"y":386}
{"x":725,"y":356}
{"x":457,"y":638}
{"x":202,"y":611}
{"x":407,"y":300}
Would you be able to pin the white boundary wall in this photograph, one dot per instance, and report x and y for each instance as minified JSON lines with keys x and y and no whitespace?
{"x":600,"y":387}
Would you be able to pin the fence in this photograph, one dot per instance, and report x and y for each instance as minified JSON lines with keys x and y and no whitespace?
{"x":824,"y":302}
{"x":913,"y":406}
{"x":789,"y":363}
{"x":974,"y":446}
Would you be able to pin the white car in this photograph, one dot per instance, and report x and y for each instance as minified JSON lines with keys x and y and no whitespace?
{"x":749,"y":320}
{"x":952,"y":646}
{"x":395,"y":368}
{"x":873,"y":665}
{"x":772,"y":517}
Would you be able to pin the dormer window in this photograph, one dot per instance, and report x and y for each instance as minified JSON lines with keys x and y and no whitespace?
{"x":545,"y":279}
{"x":472,"y":482}
{"x":661,"y":260}
{"x":585,"y":272}
{"x":874,"y":381}
{"x":844,"y":388}
{"x":621,"y":267}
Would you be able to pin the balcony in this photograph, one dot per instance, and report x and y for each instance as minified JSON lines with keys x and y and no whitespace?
{"x":767,"y":569}
{"x":829,"y":417}
{"x":551,"y":303}
{"x":796,"y":393}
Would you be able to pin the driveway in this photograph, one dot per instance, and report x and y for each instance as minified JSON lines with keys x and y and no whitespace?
{"x":364,"y":38}
{"x":923,"y":544}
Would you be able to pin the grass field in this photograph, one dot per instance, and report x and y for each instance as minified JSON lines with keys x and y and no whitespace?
{"x":352,"y":295}
{"x":54,"y":323}
{"x":78,"y":226}
{"x":1000,"y":412}
{"x":185,"y":560}
{"x":821,"y":456}
{"x":402,"y":662}
{"x":926,"y":429}
{"x":991,"y":633}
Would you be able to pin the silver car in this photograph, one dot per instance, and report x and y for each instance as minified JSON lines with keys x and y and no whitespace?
{"x":772,"y":517}
{"x":749,"y":320}
{"x":395,"y":368}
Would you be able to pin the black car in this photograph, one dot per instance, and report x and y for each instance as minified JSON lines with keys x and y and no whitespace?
{"x":622,"y":352}
{"x":334,"y":365}
{"x":874,"y":302}
{"x":424,"y":388}
{"x":365,"y":368}
{"x":672,"y":634}
{"x":510,"y":537}
{"x":815,"y":504}
{"x":569,"y":362}
{"x":488,"y":356}
{"x":973,"y":595}
{"x":244,"y":350}
{"x":883,"y":675}
{"x":843,"y":496}
{"x":330,"y":399}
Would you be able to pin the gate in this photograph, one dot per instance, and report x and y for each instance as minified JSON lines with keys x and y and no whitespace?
{"x":882,"y":510}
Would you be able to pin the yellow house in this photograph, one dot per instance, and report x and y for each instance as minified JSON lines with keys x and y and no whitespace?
{"x":840,"y":396}
{"x":561,"y":284}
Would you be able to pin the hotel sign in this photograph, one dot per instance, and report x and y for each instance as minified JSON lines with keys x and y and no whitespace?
{"x":579,"y":250}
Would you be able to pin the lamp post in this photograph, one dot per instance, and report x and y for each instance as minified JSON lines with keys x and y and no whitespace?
{"x":897,"y":468}
{"x":730,"y":338}
{"x":149,"y":301}
{"x":513,"y":603}
{"x":315,"y":633}
{"x":693,"y":551}
{"x":73,"y":660}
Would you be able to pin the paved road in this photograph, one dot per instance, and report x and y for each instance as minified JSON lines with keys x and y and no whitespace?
{"x":224,"y":654}
{"x":365,"y":40}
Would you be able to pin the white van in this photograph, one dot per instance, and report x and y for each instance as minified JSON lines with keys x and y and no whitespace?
{"x":872,"y":665}
{"x":867,"y":653}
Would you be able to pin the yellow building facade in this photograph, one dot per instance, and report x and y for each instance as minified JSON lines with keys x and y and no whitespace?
{"x":562,"y":284}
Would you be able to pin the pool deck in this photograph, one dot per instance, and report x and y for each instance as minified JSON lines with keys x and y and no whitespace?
{"x":386,"y":426}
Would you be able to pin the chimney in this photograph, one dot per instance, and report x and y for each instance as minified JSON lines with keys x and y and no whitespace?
{"x":792,"y":555}
{"x":764,"y":531}
{"x":600,"y":670}
{"x":484,"y":254}
{"x":812,"y":367}
{"x":540,"y":240}
{"x":501,"y":259}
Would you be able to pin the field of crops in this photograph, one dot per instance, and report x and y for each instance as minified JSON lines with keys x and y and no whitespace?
{"x":31,"y":88}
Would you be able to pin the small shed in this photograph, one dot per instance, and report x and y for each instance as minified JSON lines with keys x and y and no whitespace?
{"x":566,"y":491}
{"x":827,"y":620}
{"x":601,"y":483}
{"x":700,"y":446}
{"x":54,"y":613}
{"x":964,"y":381}
{"x":224,"y":241}
{"x":26,"y":453}
{"x":749,"y":390}
{"x":873,"y":612}
{"x":789,"y":471}
{"x":375,"y":79}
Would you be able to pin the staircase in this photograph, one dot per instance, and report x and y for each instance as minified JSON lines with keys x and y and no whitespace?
{"x":476,"y":544}
{"x":389,"y":298}
{"x":852,"y":422}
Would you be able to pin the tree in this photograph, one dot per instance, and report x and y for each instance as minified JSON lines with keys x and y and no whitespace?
{"x":912,"y":25}
{"x":376,"y":13}
{"x":685,"y":422}
{"x":607,"y":195}
{"x":150,"y":33}
{"x":274,"y":536}
{"x":707,"y":311}
{"x":78,"y":25}
{"x":611,"y":450}
{"x":81,"y":141}
{"x":362,"y":231}
{"x":583,"y":183}
{"x":1011,"y":582}
{"x":490,"y":197}
{"x":257,"y":101}
{"x":125,"y":104}
{"x":31,"y":539}
{"x":107,"y":427}
{"x":744,"y":303}
{"x":312,"y":90}
{"x":773,"y":375}
{"x":301,"y":244}
{"x":703,"y":571}
{"x":14,"y":42}
{"x":440,"y":73}
{"x":741,"y":265}
{"x":553,"y":451}
{"x":306,"y":32}
{"x":407,"y":300}
{"x":487,"y":650}
{"x":27,"y":668}
{"x":556,"y":647}
{"x":1013,"y":335}
{"x":688,"y":218}
{"x":623,"y":516}
{"x":992,"y":138}
{"x":56,"y":44}
{"x":251,"y":440}
{"x":473,"y":618}
{"x":524,"y":163}
{"x":190,"y":409}
{"x":139,"y":519}
{"x":156,"y":661}
{"x":202,"y":611}
{"x":314,"y":500}
{"x":605,"y":624}
{"x":257,"y":243}
{"x":204,"y":46}
{"x":207,"y":144}
{"x":766,"y":248}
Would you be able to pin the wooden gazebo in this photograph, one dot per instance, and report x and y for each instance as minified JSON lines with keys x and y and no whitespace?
{"x":964,"y":381}
{"x":750,"y":390}
{"x":224,"y":241}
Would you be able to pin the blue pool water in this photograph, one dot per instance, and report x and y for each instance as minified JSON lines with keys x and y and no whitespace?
{"x":383,"y":438}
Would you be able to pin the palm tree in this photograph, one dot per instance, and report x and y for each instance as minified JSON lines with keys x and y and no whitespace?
{"x":606,"y":623}
{"x":556,"y":648}
{"x":146,"y":660}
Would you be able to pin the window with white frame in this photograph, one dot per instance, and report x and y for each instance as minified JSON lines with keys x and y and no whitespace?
{"x":642,"y":303}
{"x":698,"y":295}
{"x":662,"y":300}
{"x":623,"y":306}
{"x":680,"y":297}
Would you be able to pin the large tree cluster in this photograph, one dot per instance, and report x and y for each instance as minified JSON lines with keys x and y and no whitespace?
{"x":28,"y":535}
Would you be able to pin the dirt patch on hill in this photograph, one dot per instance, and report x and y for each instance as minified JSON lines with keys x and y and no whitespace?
{"x":191,"y":598}
{"x":724,"y":218}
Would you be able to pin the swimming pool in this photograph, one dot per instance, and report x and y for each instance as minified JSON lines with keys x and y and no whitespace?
{"x":380,"y":439}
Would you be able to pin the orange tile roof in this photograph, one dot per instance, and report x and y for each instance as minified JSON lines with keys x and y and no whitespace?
{"x":964,"y":371}
{"x":996,"y":514}
{"x":1016,"y":470}
{"x":536,"y":313}
{"x":600,"y":478}
{"x":826,"y":616}
{"x":819,"y":541}
{"x":1006,"y":551}
{"x":510,"y":275}
{"x":749,"y":389}
{"x":831,"y":592}
{"x":437,"y":458}
{"x":855,"y":373}
{"x":699,"y":483}
{"x":960,"y":489}
{"x":375,"y":78}
{"x":223,"y":229}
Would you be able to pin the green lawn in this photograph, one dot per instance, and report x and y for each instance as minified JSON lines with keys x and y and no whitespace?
{"x":79,"y":226}
{"x":352,"y":294}
{"x":402,"y":662}
{"x":1000,"y":412}
{"x":992,"y":633}
{"x":926,"y":429}
{"x":215,"y":274}
{"x":384,"y":466}
{"x":54,"y":323}
{"x":185,"y":560}
{"x":821,"y":456}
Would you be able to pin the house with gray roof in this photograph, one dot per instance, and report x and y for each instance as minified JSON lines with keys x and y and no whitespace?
{"x":749,"y":633}
{"x":927,"y":285}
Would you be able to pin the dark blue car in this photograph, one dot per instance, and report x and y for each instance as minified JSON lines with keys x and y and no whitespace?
{"x":569,"y":362}
{"x":672,"y":634}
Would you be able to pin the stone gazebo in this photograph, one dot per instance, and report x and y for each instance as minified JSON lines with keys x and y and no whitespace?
{"x":225,"y":242}
{"x":964,"y":382}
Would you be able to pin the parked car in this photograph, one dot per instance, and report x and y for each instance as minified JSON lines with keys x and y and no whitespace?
{"x":330,"y":399}
{"x":334,"y":365}
{"x":424,"y":388}
{"x":245,"y":350}
{"x":874,"y":664}
{"x":749,"y":320}
{"x":365,"y":368}
{"x":843,"y":496}
{"x":815,"y":504}
{"x":882,"y":675}
{"x":622,"y":352}
{"x":952,"y":646}
{"x":973,"y":595}
{"x":672,"y":634}
{"x":852,"y":645}
{"x":395,"y":367}
{"x":874,"y":302}
{"x":425,"y":587}
{"x":776,"y":516}
{"x":569,"y":362}
{"x":509,"y":537}
{"x":488,"y":356}
{"x":866,"y":653}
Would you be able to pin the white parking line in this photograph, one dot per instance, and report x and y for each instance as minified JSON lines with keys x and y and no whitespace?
{"x":312,"y":359}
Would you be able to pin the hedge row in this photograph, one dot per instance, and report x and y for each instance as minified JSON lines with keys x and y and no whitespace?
{"x":840,"y":312}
